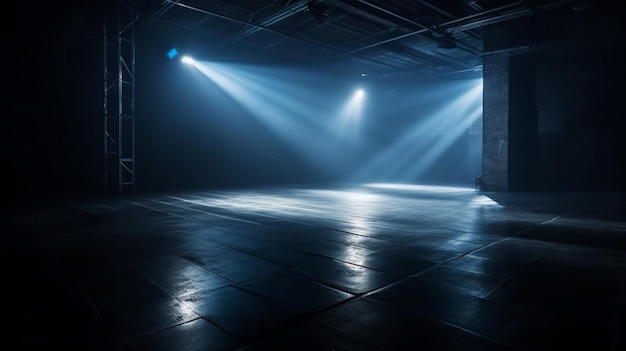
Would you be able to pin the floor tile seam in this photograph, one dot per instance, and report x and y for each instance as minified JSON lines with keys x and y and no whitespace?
{"x":129,"y":339}
{"x":579,"y":298}
{"x":571,"y":215}
{"x":328,"y":218}
{"x":276,"y":218}
{"x":506,"y":238}
{"x":514,"y":277}
{"x":308,"y":315}
{"x":191,"y":262}
{"x":195,"y":219}
{"x":287,"y":268}
{"x":555,"y":312}
{"x":422,"y":233}
{"x":199,"y":316}
{"x":598,"y":252}
{"x":180,"y":298}
{"x":315,"y":208}
{"x":421,"y":272}
{"x":238,"y":285}
{"x":225,"y":245}
{"x":393,"y":230}
{"x":450,"y":239}
{"x":297,"y":207}
{"x":461,"y":256}
{"x":161,"y":211}
{"x":186,"y":208}
{"x":367,"y":236}
{"x":83,"y":209}
{"x":256,"y":213}
{"x":486,"y":337}
{"x":396,"y":243}
{"x":469,"y":331}
{"x":370,"y":251}
{"x":262,"y":203}
{"x":163,"y":289}
{"x":556,"y":247}
{"x":234,"y":248}
{"x":346,"y":262}
{"x":128,"y":307}
{"x":311,"y":316}
{"x":550,"y":311}
{"x":308,"y":319}
{"x":291,"y":270}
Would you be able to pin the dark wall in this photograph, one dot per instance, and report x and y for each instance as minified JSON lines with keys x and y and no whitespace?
{"x":581,"y":120}
{"x":523,"y":149}
{"x":567,"y":130}
{"x":565,"y":117}
{"x":54,"y":101}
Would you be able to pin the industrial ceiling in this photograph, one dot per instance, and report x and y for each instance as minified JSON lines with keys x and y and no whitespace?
{"x":379,"y":38}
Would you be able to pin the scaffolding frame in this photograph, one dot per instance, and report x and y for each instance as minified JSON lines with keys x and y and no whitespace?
{"x":119,"y":97}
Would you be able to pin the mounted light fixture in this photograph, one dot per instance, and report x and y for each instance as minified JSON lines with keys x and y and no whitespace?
{"x":317,"y":11}
{"x":187,"y":59}
{"x":446,"y":41}
{"x":171,"y":53}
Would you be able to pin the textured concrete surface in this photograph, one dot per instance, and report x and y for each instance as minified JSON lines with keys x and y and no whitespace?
{"x":346,"y":267}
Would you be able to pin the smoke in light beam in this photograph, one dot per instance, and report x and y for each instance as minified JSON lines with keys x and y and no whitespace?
{"x":330,"y":132}
{"x":298,"y":113}
{"x":410,"y":157}
{"x":353,"y":109}
{"x":349,"y":118}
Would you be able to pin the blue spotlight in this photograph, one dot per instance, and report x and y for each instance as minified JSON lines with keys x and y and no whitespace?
{"x":352,"y":108}
{"x":349,"y":118}
{"x":173,"y":52}
{"x":354,"y":105}
{"x":415,"y":153}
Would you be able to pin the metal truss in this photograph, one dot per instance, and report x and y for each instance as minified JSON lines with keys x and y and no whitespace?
{"x":119,"y":97}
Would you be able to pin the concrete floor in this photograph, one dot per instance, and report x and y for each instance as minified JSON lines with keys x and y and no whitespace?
{"x":347,"y":267}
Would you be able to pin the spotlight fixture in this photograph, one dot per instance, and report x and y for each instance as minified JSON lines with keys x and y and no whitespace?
{"x":446,"y":44}
{"x":446,"y":41}
{"x":187,"y":59}
{"x":171,"y":53}
{"x":317,"y":11}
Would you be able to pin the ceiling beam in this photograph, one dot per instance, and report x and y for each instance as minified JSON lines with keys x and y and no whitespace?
{"x":260,"y":27}
{"x":286,"y":12}
{"x":431,"y":33}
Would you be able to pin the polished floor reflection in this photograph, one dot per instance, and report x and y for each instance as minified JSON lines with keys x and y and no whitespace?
{"x":345,"y":267}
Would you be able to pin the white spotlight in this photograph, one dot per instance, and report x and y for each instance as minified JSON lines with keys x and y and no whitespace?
{"x":359,"y":93}
{"x":187,"y":59}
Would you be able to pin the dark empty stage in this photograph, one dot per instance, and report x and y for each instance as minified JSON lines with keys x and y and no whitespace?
{"x":347,"y":267}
